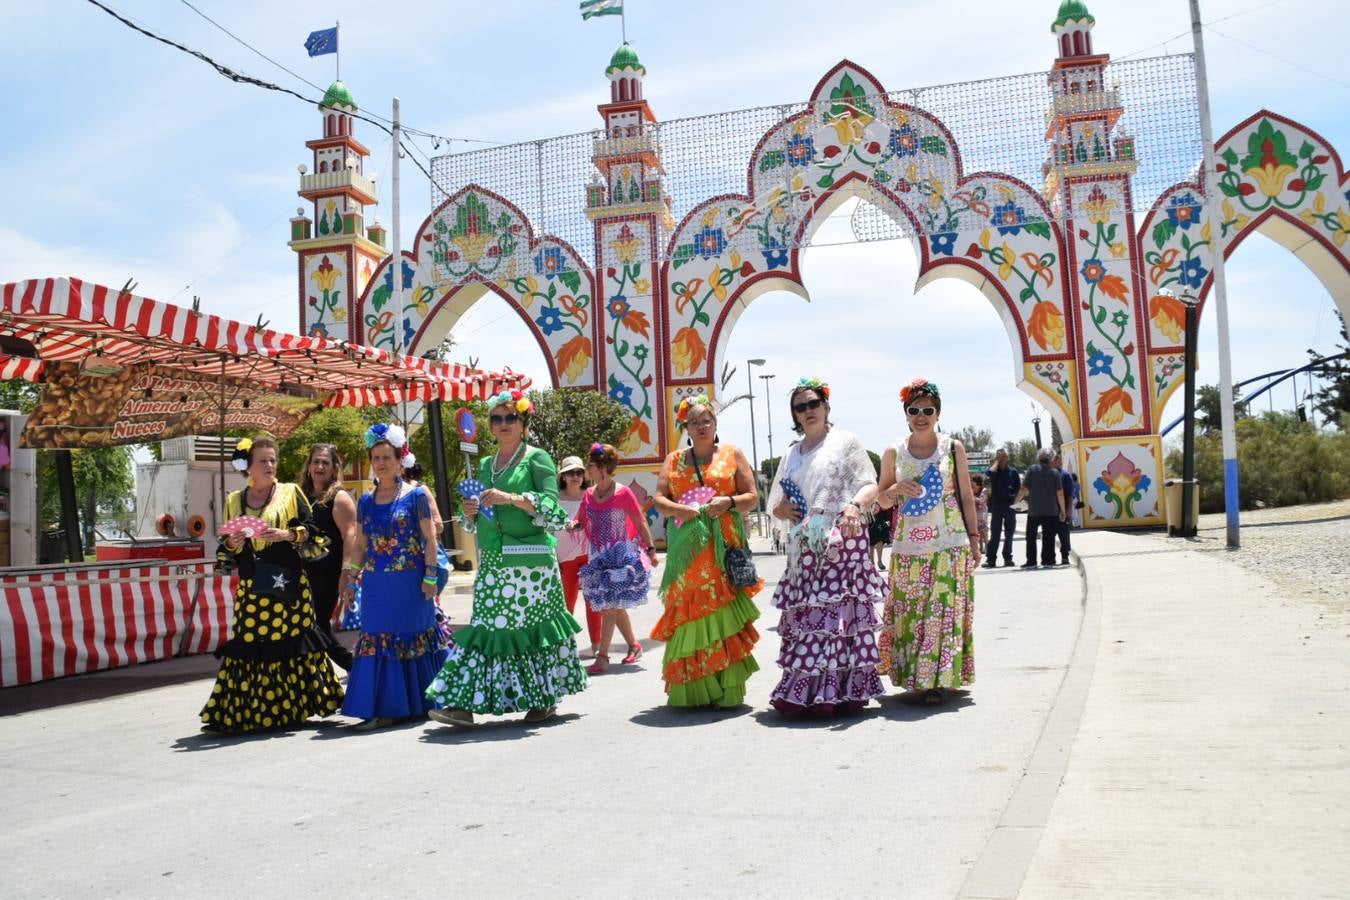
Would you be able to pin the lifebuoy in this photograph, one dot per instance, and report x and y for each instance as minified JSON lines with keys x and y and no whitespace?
{"x":165,"y":525}
{"x":196,"y":527}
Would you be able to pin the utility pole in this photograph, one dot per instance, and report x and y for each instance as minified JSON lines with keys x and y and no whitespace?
{"x":1227,"y":417}
{"x":754,"y":444}
{"x":768,"y":407}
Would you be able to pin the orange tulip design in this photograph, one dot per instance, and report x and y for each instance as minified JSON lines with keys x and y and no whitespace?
{"x":1169,"y":314}
{"x":1046,"y":326}
{"x":1113,"y":405}
{"x":688,"y":351}
{"x":573,"y":357}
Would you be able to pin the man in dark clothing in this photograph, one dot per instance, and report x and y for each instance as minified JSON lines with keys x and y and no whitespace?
{"x":1045,"y":507}
{"x":1004,"y":480}
{"x":1066,"y":518}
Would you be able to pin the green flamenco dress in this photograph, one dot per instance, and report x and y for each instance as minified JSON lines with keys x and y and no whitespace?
{"x":519,"y":650}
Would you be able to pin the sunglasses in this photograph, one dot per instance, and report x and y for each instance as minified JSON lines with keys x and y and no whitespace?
{"x":573,"y":473}
{"x":800,"y":408}
{"x":921,"y":410}
{"x":508,"y":419}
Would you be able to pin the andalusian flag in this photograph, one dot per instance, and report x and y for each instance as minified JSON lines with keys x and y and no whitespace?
{"x":592,"y":8}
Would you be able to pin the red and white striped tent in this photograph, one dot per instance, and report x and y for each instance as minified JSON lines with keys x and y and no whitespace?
{"x":68,"y":320}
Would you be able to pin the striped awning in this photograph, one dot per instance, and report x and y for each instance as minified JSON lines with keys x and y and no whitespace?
{"x":68,"y":320}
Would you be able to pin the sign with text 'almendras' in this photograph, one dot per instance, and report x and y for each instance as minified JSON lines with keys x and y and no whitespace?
{"x":147,"y":403}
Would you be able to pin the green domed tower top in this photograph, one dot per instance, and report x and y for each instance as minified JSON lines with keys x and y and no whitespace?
{"x":1072,"y":10}
{"x":338,"y":95}
{"x":625,"y":58}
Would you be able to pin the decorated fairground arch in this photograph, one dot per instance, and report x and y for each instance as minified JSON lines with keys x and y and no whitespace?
{"x":1083,"y":271}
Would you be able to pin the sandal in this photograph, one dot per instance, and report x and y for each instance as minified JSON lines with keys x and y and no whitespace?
{"x":634,"y":654}
{"x":372,"y":724}
{"x":541,"y":714}
{"x":599,"y":666}
{"x":460,"y":718}
{"x":932,"y":697}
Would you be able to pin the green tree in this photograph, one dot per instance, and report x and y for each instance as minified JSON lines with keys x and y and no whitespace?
{"x":18,"y":394}
{"x":1021,"y":454}
{"x":1208,"y":419}
{"x":1332,"y":398}
{"x":567,"y":421}
{"x":342,"y":426}
{"x":1281,"y":462}
{"x":104,"y":489}
{"x":973,"y":438}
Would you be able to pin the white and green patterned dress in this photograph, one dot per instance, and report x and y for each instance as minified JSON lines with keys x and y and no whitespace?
{"x":519,"y":651}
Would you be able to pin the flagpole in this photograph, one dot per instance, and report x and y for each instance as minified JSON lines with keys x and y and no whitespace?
{"x":337,"y":52}
{"x":623,"y":23}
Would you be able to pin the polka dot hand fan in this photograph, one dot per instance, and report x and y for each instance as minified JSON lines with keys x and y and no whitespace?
{"x":794,"y":495}
{"x":931,"y":482}
{"x":469,"y":489}
{"x":696,"y":497}
{"x":244,"y":526}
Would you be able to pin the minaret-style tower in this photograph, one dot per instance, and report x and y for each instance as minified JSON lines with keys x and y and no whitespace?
{"x":630,"y":210}
{"x":1088,"y":182}
{"x":338,"y":254}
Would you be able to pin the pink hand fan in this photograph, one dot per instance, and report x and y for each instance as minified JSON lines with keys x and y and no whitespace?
{"x":244,"y":526}
{"x":696,"y":497}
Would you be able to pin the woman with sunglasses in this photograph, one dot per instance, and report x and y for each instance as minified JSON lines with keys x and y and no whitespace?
{"x":573,"y":548}
{"x":619,"y":572}
{"x":830,"y":588}
{"x":393,"y":554}
{"x":519,"y":652}
{"x":708,"y":624}
{"x":927,"y":642}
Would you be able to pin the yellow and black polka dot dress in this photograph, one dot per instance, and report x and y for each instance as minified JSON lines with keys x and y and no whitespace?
{"x":273,"y":671}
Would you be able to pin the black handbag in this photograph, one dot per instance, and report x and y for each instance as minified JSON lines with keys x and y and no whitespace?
{"x":276,"y":581}
{"x":738,"y":562}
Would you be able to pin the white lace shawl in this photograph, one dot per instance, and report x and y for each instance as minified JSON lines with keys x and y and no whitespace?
{"x":839,"y":468}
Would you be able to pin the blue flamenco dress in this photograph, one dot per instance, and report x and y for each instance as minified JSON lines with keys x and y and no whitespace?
{"x":399,"y":650}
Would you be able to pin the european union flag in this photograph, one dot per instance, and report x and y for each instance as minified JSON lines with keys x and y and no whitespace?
{"x":320,"y":42}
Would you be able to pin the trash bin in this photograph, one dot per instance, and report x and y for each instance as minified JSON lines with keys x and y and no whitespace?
{"x":1173,"y":488}
{"x":53,"y":547}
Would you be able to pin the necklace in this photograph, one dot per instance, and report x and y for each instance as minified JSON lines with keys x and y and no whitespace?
{"x":607,"y":493}
{"x":496,"y":472}
{"x":260,"y":507}
{"x":398,"y":489}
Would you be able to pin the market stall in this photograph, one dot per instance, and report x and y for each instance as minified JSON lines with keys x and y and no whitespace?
{"x":117,"y":368}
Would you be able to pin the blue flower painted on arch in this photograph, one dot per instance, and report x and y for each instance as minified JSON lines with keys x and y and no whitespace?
{"x":943,"y":243}
{"x":710,"y":242}
{"x":1192,"y":273}
{"x":1183,"y":211}
{"x":801,"y":151}
{"x":1099,"y":363}
{"x":618,"y":306}
{"x":621,"y":393}
{"x":775,"y":254}
{"x":549,"y":320}
{"x":1009,"y":218}
{"x":549,"y":261}
{"x":904,"y":141}
{"x":409,"y":273}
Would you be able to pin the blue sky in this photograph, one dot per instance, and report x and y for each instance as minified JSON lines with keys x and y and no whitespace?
{"x":130,"y":159}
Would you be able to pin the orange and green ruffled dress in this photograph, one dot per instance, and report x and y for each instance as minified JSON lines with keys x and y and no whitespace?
{"x":708,"y":625}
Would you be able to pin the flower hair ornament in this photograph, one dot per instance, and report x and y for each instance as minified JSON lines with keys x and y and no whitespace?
{"x":239,"y":459}
{"x":597,"y":450}
{"x":916,"y":387}
{"x":394,"y":436}
{"x":814,"y":384}
{"x":682,"y":408}
{"x":513,"y":398}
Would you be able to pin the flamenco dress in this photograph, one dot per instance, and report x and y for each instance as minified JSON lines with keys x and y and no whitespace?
{"x":829,"y":592}
{"x":273,"y":669}
{"x":927,"y":636}
{"x":519,"y":650}
{"x":616,"y":577}
{"x":400,"y":649}
{"x":708,"y":625}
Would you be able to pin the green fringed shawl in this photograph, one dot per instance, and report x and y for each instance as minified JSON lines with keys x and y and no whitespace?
{"x":687,"y":541}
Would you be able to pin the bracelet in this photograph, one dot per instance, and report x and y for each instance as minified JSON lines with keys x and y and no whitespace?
{"x":429,"y":580}
{"x":351,"y":566}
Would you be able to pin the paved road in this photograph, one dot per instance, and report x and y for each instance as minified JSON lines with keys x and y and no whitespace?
{"x":619,"y":796}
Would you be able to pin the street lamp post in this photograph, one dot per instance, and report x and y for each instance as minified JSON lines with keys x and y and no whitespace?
{"x":1192,"y":305}
{"x":768,"y":408}
{"x":1036,"y":424}
{"x":754,"y":444}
